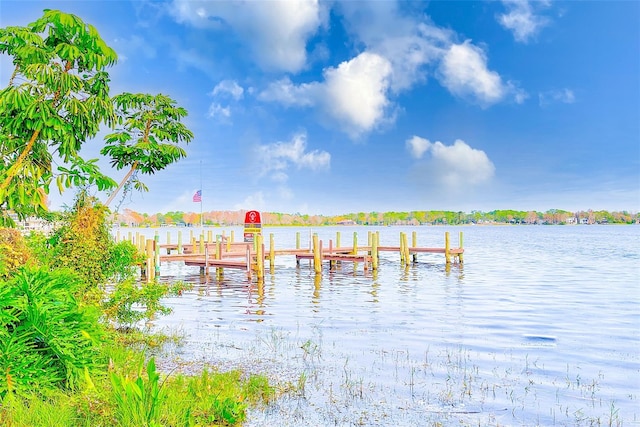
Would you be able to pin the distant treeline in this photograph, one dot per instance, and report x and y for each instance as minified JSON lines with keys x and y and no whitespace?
{"x":226,"y":218}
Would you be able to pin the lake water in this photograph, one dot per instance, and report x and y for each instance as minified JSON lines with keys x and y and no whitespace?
{"x":539,"y":326}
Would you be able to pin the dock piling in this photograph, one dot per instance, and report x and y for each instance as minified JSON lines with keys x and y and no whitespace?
{"x":317,"y":254}
{"x":447,"y":248}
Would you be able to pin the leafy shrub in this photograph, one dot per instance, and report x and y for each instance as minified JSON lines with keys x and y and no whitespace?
{"x":14,"y":251}
{"x":122,"y":260}
{"x":40,"y":247}
{"x":84,"y":241}
{"x":130,"y":302}
{"x":47,"y":339}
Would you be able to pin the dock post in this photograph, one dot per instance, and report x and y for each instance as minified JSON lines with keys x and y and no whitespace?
{"x":259,"y":255}
{"x":297,"y":247}
{"x":201,"y":245}
{"x":206,"y":260}
{"x":406,"y":249}
{"x":180,"y":241}
{"x":209,"y":236}
{"x":332,"y":263}
{"x":194,"y":247}
{"x":149,"y":253}
{"x":248,"y":262}
{"x":402,"y":260}
{"x":317,"y":256}
{"x":414,"y":244}
{"x":355,"y":243}
{"x":374,"y":251}
{"x":220,"y":270}
{"x":460,"y":255}
{"x":130,"y":237}
{"x":369,"y":242}
{"x":337,"y":239}
{"x":156,"y":254}
{"x":447,"y":253}
{"x":272,"y":252}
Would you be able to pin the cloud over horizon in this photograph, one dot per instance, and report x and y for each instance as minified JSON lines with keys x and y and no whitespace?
{"x":354,"y":94}
{"x":453,"y":166}
{"x":276,"y":158}
{"x":464,"y":72}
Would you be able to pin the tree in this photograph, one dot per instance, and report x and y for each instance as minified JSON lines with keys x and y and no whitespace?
{"x":56,"y":98}
{"x":149,"y":137}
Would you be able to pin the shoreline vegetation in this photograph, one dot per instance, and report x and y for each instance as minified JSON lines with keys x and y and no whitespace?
{"x":230,"y":218}
{"x":76,"y":348}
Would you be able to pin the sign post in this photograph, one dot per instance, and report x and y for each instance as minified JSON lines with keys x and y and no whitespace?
{"x":252,"y":226}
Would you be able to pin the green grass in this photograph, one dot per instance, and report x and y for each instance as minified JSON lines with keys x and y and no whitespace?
{"x":134,"y":393}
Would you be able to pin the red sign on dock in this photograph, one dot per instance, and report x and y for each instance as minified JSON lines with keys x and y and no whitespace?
{"x":252,"y":225}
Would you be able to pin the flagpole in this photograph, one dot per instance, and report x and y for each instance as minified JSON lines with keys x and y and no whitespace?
{"x":201,"y":226}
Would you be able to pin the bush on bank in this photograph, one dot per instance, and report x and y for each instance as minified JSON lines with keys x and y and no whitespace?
{"x":64,"y":358}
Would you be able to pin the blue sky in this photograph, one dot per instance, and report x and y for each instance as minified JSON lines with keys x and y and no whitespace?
{"x":337,"y":107}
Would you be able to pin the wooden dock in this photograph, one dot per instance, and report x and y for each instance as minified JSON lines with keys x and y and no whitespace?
{"x":223,"y":252}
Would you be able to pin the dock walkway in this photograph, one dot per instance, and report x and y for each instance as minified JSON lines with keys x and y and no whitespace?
{"x":223,"y":253}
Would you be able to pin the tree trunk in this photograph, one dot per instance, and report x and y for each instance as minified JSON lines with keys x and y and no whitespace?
{"x":122,"y":183}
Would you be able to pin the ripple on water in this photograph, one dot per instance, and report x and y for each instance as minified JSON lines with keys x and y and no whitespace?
{"x":539,"y":327}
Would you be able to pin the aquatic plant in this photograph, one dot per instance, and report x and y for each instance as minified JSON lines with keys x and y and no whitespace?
{"x":138,"y":402}
{"x":130,"y":301}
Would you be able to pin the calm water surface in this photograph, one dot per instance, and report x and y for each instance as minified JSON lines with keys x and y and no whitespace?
{"x":540,"y":326}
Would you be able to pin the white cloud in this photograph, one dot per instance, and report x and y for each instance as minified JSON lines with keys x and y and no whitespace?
{"x":464,"y":72}
{"x":133,"y":46}
{"x":255,"y":201}
{"x":276,"y":31}
{"x":354,"y":94}
{"x":410,"y":42}
{"x":230,"y":88}
{"x":289,"y":94}
{"x":418,"y":146}
{"x":276,"y":158}
{"x":453,"y":166}
{"x":564,"y":96}
{"x":521,"y":18}
{"x":217,"y":110}
{"x":224,"y":90}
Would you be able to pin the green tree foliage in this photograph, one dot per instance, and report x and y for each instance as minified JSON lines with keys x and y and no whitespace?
{"x":149,"y":137}
{"x":56,"y":99}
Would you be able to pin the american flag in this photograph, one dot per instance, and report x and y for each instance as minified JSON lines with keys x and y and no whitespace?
{"x":198,"y":196}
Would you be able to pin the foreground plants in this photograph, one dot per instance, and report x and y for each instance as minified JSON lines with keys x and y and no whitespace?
{"x":47,"y":339}
{"x":71,"y":351}
{"x":142,"y":397}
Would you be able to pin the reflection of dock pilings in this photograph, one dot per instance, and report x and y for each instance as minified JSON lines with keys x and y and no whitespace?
{"x":223,"y":252}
